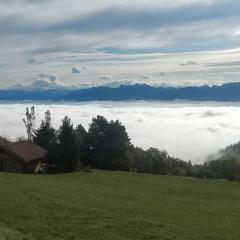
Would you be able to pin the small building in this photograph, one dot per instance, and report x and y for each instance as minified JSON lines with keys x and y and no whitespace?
{"x":21,"y":157}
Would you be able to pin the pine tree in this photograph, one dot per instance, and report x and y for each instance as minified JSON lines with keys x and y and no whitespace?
{"x":45,"y":136}
{"x":67,"y":146}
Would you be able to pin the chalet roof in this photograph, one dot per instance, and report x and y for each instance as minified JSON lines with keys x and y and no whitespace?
{"x":25,"y":151}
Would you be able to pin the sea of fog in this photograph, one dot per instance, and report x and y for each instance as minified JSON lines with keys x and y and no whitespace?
{"x":188,"y":130}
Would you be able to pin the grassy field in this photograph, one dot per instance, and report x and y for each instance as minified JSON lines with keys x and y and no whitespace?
{"x":116,"y":205}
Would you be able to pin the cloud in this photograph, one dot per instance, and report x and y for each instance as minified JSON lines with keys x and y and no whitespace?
{"x":236,"y":33}
{"x":106,"y":78}
{"x":76,"y":70}
{"x":212,"y":114}
{"x":156,"y":24}
{"x":178,"y":131}
{"x":118,"y":38}
{"x":102,"y":65}
{"x":139,"y":120}
{"x":188,"y":63}
{"x":115,"y":84}
{"x":45,"y":82}
{"x":212,"y":130}
{"x":146,"y":77}
{"x":229,"y":126}
{"x":225,"y":64}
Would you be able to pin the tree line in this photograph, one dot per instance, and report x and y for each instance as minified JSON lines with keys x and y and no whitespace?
{"x":224,"y":164}
{"x":106,"y":145}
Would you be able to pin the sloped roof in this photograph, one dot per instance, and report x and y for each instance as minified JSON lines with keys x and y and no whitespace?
{"x":25,"y":151}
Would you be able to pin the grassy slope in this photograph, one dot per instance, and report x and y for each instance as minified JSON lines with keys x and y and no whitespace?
{"x":116,"y":205}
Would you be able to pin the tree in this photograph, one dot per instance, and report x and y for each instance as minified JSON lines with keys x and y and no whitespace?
{"x":45,"y":136}
{"x":141,"y":162}
{"x":158,"y":160}
{"x":95,"y":151}
{"x":108,"y":145}
{"x":117,"y":145}
{"x":66,"y":147}
{"x":29,"y":122}
{"x":80,"y":142}
{"x":3,"y":141}
{"x":225,"y":163}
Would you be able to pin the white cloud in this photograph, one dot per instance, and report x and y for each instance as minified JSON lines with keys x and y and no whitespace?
{"x":45,"y":82}
{"x":180,"y":123}
{"x":127,"y":31}
{"x":118,"y":83}
{"x":213,"y":68}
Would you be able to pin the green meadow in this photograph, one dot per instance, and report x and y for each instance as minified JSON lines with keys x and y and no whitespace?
{"x":108,"y":205}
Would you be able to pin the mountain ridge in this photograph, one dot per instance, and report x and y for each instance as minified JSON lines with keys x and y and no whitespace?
{"x":225,"y":92}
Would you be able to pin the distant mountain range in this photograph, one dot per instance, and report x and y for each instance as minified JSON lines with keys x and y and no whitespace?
{"x":226,"y":92}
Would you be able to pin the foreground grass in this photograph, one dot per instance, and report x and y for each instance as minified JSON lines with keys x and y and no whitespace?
{"x":116,"y":205}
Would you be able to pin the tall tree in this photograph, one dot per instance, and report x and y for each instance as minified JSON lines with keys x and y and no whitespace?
{"x":29,"y":122}
{"x":108,"y":145}
{"x":67,"y":147}
{"x":158,"y":160}
{"x":117,"y":146}
{"x":141,"y":161}
{"x":45,"y":136}
{"x":80,"y":143}
{"x":96,"y":142}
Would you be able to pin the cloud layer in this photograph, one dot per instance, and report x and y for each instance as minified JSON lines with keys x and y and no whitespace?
{"x":45,"y":82}
{"x":120,"y":39}
{"x":171,"y":126}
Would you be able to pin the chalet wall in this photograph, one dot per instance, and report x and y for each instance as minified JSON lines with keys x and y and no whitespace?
{"x":32,"y":167}
{"x":9,"y":164}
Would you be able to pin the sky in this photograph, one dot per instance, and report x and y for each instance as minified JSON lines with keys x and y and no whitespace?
{"x":187,"y":130}
{"x":72,"y":44}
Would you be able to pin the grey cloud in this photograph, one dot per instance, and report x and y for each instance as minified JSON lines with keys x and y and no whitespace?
{"x":28,"y":32}
{"x":225,"y":64}
{"x":188,"y":63}
{"x":146,"y":77}
{"x":212,"y":114}
{"x":140,"y":120}
{"x":212,"y":130}
{"x":224,"y":125}
{"x":105,"y":78}
{"x":168,"y":28}
{"x":145,"y":18}
{"x":189,"y":114}
{"x":229,"y":126}
{"x":126,"y":18}
{"x":85,"y":114}
{"x":76,"y":70}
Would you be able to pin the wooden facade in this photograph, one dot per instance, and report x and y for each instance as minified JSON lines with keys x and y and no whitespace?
{"x":12,"y":160}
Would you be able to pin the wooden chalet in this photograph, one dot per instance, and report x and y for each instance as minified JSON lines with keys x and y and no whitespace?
{"x":21,"y":157}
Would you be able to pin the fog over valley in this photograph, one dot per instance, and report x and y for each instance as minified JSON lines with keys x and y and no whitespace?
{"x":188,"y":130}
